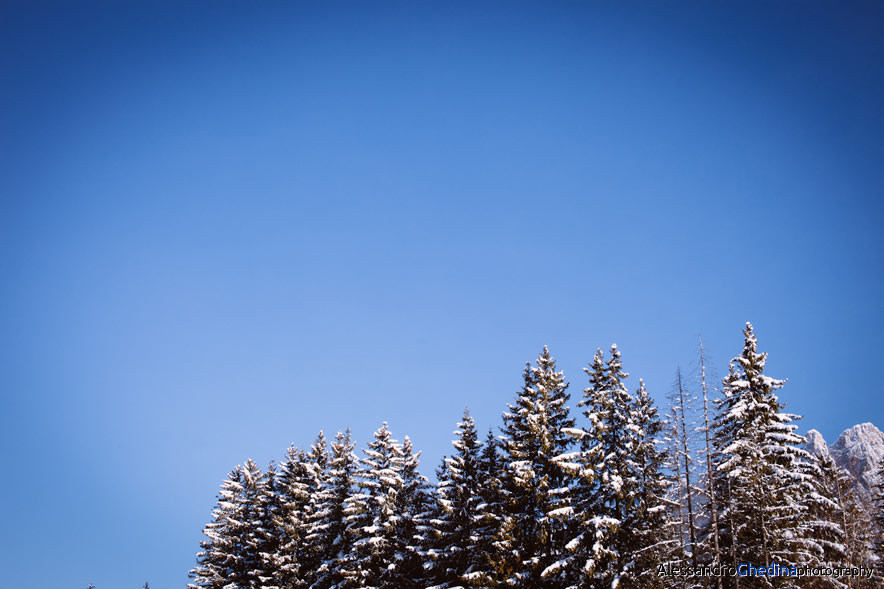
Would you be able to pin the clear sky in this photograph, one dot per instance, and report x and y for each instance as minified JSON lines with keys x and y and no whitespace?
{"x":226,"y":225}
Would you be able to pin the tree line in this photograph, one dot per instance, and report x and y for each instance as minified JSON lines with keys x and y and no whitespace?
{"x":615,"y":495}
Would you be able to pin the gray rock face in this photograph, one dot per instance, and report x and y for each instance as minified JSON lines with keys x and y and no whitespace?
{"x":815,"y":444}
{"x":859,"y":450}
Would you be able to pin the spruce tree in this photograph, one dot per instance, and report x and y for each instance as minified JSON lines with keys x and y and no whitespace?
{"x":619,"y":499}
{"x":489,"y":516}
{"x":647,"y":544}
{"x":230,"y":555}
{"x":413,"y":508}
{"x":372,"y":515}
{"x":826,"y":519}
{"x":293,"y":491}
{"x":326,"y":526}
{"x":535,"y":521}
{"x":317,"y":464}
{"x":300,"y":487}
{"x":878,"y":511}
{"x":269,"y":535}
{"x":590,"y":549}
{"x":758,"y":467}
{"x":456,"y":554}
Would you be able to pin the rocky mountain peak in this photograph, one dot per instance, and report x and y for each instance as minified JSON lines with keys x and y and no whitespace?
{"x":859,"y":450}
{"x":815,"y":443}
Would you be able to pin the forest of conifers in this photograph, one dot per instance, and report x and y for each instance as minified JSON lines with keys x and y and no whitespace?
{"x":616,"y":493}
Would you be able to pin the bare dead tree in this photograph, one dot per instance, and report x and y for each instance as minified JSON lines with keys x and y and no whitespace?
{"x":710,"y":487}
{"x":681,"y":398}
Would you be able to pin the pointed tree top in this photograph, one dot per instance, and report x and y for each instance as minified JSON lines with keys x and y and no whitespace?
{"x":383,"y":433}
{"x":750,"y":355}
{"x":251,"y":470}
{"x":749,"y":334}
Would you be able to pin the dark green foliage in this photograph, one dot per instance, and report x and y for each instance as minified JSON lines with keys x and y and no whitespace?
{"x":548,"y":504}
{"x":326,"y":525}
{"x":489,"y":515}
{"x":647,"y":543}
{"x":230,"y":553}
{"x":619,"y":493}
{"x":536,"y":490}
{"x":383,"y":516}
{"x":758,"y":466}
{"x":454,"y":551}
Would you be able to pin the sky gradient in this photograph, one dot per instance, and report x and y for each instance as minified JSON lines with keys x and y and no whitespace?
{"x":226,"y":225}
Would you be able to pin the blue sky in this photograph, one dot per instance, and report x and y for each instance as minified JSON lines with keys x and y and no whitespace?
{"x":226,"y":225}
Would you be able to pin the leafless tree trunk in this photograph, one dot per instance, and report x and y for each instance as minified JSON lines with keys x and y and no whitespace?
{"x":713,"y":508}
{"x":676,"y":462}
{"x":683,"y":435}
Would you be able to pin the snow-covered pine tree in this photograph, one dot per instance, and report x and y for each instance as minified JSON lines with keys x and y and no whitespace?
{"x":619,"y":503}
{"x":838,"y":525}
{"x":372,"y":514}
{"x":759,"y":467}
{"x":826,"y":522}
{"x":268,"y":537}
{"x":878,"y":511}
{"x":489,"y":515}
{"x":538,"y":502}
{"x":311,"y":556}
{"x":326,"y":524}
{"x":590,"y":548}
{"x":298,"y":490}
{"x":434,"y":553}
{"x":230,"y":556}
{"x":411,"y":528}
{"x":293,"y":496}
{"x":458,"y":495}
{"x":648,"y":544}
